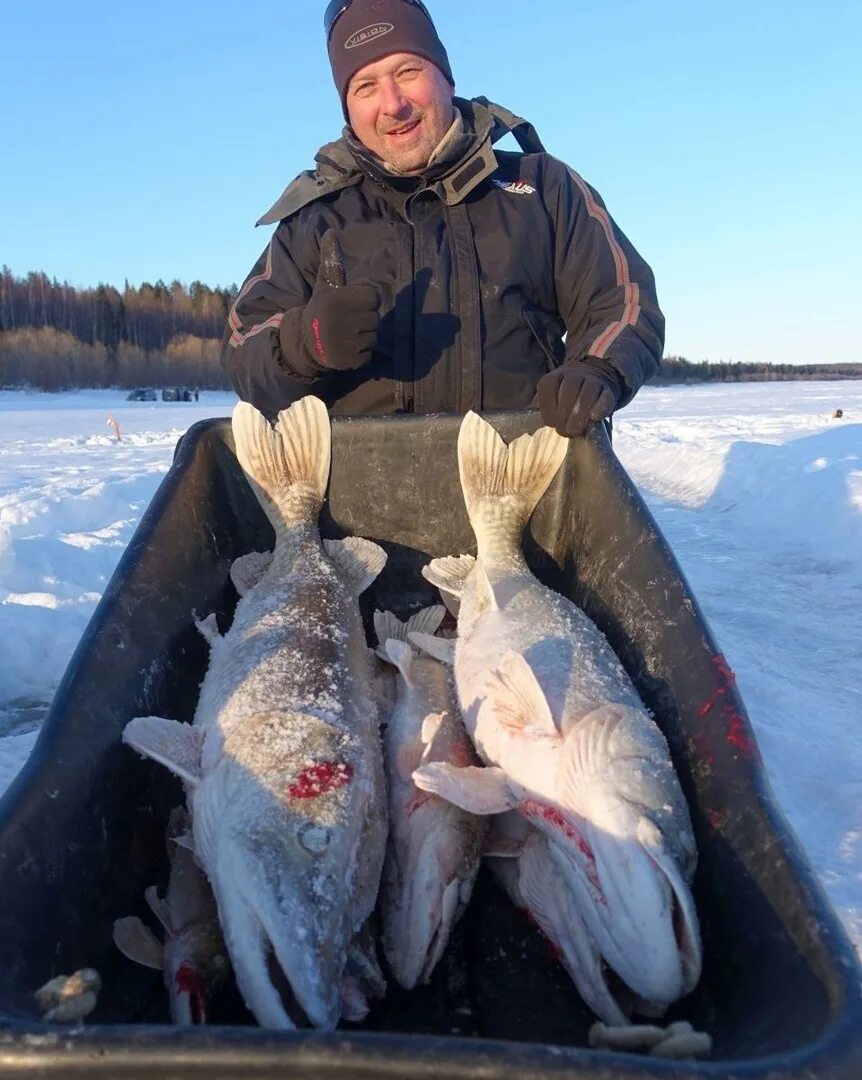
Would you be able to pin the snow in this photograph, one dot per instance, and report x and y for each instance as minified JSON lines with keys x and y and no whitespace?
{"x":757,"y":488}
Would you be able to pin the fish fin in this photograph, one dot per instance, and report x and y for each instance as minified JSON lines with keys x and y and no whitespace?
{"x":449,"y":574}
{"x":359,"y":560}
{"x":430,"y":726}
{"x":138,"y":943}
{"x":474,"y":789}
{"x":248,"y":570}
{"x":386,"y":626}
{"x":287,"y":465}
{"x":518,"y":702}
{"x":175,"y":745}
{"x":208,"y":628}
{"x":521,"y":472}
{"x":401,"y":655}
{"x":159,"y":907}
{"x":688,"y":932}
{"x":442,"y":649}
{"x":426,"y":621}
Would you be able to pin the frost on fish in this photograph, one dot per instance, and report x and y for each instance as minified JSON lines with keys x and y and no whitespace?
{"x":283,"y":762}
{"x":568,"y":742}
{"x":434,"y":848}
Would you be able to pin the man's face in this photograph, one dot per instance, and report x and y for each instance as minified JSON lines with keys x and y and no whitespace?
{"x":400,"y":108}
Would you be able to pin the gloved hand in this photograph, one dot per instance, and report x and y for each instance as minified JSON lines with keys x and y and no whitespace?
{"x":575,"y":394}
{"x":340,"y":321}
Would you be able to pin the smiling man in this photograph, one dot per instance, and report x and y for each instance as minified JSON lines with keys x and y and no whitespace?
{"x":418,"y":269}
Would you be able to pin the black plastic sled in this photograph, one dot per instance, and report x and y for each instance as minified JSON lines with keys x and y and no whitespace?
{"x":82,"y":828}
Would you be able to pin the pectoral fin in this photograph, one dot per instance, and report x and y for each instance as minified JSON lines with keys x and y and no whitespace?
{"x":474,"y":789}
{"x":517,"y":700}
{"x":176,"y":746}
{"x":138,"y":943}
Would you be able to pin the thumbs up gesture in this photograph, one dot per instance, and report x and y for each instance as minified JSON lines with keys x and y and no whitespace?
{"x":340,"y":324}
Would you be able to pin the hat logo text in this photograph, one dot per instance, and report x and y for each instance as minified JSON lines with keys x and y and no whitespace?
{"x":368,"y":33}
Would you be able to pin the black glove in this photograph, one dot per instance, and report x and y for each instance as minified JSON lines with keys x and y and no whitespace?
{"x":339,"y":322}
{"x":578,"y":393}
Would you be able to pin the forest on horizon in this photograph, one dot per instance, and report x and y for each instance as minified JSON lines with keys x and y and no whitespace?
{"x":55,"y":336}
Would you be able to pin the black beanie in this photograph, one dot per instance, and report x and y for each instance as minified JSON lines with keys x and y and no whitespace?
{"x":371,"y":29}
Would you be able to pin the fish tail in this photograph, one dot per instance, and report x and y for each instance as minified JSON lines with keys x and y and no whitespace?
{"x":287,"y":465}
{"x":503,"y":484}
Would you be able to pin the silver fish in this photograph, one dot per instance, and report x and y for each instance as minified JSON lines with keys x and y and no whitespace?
{"x":568,"y":742}
{"x":283,"y":762}
{"x":519,"y":857}
{"x":434,"y":848}
{"x":193,"y":957}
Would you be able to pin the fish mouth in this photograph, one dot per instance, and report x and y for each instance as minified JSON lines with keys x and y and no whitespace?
{"x":288,"y":977}
{"x":282,"y":986}
{"x":190,"y":1000}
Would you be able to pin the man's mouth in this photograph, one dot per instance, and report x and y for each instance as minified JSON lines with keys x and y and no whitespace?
{"x":404,"y":131}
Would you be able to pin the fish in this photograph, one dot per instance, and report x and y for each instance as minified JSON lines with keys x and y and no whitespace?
{"x":519,"y":858}
{"x":283,"y":763}
{"x":193,"y":957}
{"x":564,"y":736}
{"x":434,"y":848}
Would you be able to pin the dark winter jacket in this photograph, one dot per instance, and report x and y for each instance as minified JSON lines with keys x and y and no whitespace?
{"x":482,"y":266}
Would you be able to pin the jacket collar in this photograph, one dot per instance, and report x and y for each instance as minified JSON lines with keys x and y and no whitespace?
{"x":467,"y":163}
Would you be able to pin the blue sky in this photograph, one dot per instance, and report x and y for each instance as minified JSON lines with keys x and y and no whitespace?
{"x":142,"y":141}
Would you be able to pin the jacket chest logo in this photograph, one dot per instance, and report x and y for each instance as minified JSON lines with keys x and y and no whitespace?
{"x":515,"y":187}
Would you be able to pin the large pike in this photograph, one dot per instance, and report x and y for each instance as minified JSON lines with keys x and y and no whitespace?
{"x":558,"y":721}
{"x":434,"y":848}
{"x":283,"y":762}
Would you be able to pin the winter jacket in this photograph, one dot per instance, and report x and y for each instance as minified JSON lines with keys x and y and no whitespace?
{"x":482,"y":267}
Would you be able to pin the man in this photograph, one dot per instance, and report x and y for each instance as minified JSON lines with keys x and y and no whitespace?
{"x":419,"y":270}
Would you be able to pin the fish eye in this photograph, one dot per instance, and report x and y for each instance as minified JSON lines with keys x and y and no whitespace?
{"x":314,"y":838}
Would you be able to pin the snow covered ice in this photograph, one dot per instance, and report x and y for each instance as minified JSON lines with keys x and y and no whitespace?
{"x":757,"y":488}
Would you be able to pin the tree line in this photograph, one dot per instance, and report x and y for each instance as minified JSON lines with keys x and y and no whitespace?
{"x":676,"y":369}
{"x":55,"y":336}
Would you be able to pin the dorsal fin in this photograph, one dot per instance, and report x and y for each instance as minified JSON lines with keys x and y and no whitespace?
{"x":450,"y":573}
{"x":358,"y":560}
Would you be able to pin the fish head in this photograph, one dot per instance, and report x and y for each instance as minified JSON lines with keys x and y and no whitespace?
{"x":427,"y":884}
{"x":280,"y":822}
{"x":196,"y":968}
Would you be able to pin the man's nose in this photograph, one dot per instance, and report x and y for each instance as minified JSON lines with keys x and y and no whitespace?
{"x":393,"y":100}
